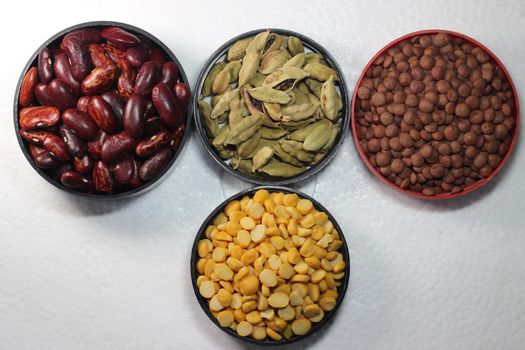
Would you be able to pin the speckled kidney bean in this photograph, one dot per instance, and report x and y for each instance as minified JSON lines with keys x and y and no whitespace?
{"x":63,"y":72}
{"x":42,"y":157}
{"x":119,"y":37}
{"x":41,"y":95}
{"x":27,"y":88}
{"x":101,"y":113}
{"x":80,"y":123}
{"x":75,"y":181}
{"x":123,"y":170}
{"x":182,"y":94}
{"x":74,"y":44}
{"x":170,"y":73}
{"x":154,"y":144}
{"x":49,"y":141}
{"x":84,"y":165}
{"x":116,"y":103}
{"x":139,"y":54}
{"x":102,"y":177}
{"x":83,"y":103}
{"x":39,"y":117}
{"x":60,"y":95}
{"x":95,"y":145}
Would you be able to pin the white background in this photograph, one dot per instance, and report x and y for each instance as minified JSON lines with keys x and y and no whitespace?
{"x":76,"y":274}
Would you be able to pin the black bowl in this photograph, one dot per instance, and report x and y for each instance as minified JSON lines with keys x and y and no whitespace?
{"x":33,"y":62}
{"x":266,"y":180}
{"x":341,"y":290}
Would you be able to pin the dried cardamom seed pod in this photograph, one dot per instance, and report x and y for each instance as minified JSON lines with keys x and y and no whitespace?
{"x":216,"y":98}
{"x":242,"y":165}
{"x":333,"y":137}
{"x":257,"y":79}
{"x":221,"y":82}
{"x":223,"y":105}
{"x":314,"y":86}
{"x":295,"y":45}
{"x":208,"y":81}
{"x":273,"y":133}
{"x":211,"y":125}
{"x":238,"y":49}
{"x":273,"y":60}
{"x":314,"y":57}
{"x":262,"y":143}
{"x":273,"y":110}
{"x":285,"y":78}
{"x":273,"y":43}
{"x":218,"y":141}
{"x":285,"y":157}
{"x":296,"y":61}
{"x":258,"y":42}
{"x":320,"y":71}
{"x":267,"y":94}
{"x":244,"y":149}
{"x":279,"y":169}
{"x":250,"y":64}
{"x":244,"y":129}
{"x":262,"y":157}
{"x":296,"y":150}
{"x":329,"y":98}
{"x":317,"y":138}
{"x":235,"y":114}
{"x":301,"y":134}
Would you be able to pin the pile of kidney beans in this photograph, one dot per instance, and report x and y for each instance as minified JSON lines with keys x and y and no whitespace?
{"x":104,"y":110}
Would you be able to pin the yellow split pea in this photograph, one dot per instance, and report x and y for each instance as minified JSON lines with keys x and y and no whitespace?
{"x":270,"y":265}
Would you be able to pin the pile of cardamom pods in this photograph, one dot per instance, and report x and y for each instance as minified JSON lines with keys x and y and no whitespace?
{"x":269,"y":108}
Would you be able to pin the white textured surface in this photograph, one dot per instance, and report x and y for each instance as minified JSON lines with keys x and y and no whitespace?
{"x":81,"y":275}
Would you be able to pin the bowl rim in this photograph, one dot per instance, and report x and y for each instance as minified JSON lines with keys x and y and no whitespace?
{"x":345,"y":118}
{"x":342,"y":289}
{"x":103,"y":196}
{"x":477,"y":184}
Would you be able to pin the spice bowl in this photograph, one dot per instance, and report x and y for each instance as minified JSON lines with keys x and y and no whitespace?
{"x":263,"y":99}
{"x":226,"y":294}
{"x":435,"y":115}
{"x":95,"y":68}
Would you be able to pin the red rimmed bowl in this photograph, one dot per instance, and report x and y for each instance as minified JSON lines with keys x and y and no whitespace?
{"x":357,"y":108}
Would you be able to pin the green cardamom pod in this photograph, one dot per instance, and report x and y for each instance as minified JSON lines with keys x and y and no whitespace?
{"x":317,"y":138}
{"x":276,"y":168}
{"x":244,"y":129}
{"x":333,"y":137}
{"x":273,"y":43}
{"x":295,"y":45}
{"x":301,"y":134}
{"x":218,"y":141}
{"x":235,"y":114}
{"x":262,"y":143}
{"x":319,"y":71}
{"x":273,"y":133}
{"x":262,"y":157}
{"x":267,"y":94}
{"x":257,"y":80}
{"x":285,"y":157}
{"x":258,"y":42}
{"x":329,"y":98}
{"x":249,"y":67}
{"x":295,"y":149}
{"x":208,"y":81}
{"x":273,"y":110}
{"x":221,"y":82}
{"x":211,"y":125}
{"x":242,"y":165}
{"x":223,"y":104}
{"x":314,"y":86}
{"x":296,"y":61}
{"x":244,"y":149}
{"x":238,"y":49}
{"x":285,"y":78}
{"x":273,"y":60}
{"x":314,"y":57}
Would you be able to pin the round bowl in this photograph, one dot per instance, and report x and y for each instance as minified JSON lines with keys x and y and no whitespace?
{"x":310,"y":45}
{"x":202,"y":234}
{"x":33,"y":61}
{"x":467,"y":189}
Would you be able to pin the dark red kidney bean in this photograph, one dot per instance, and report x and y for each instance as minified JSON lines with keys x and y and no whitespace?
{"x":52,"y":143}
{"x":119,"y":37}
{"x":134,"y":115}
{"x":83,"y":102}
{"x":154,"y":165}
{"x":74,"y":144}
{"x":83,"y":165}
{"x":41,"y":94}
{"x":116,"y":103}
{"x":102,"y":177}
{"x":99,"y":80}
{"x":60,"y":95}
{"x":42,"y":158}
{"x":182,"y":94}
{"x":45,"y":65}
{"x":115,"y":146}
{"x":147,"y":148}
{"x":150,"y":109}
{"x":177,"y":137}
{"x":123,"y":171}
{"x":170,"y":73}
{"x":157,"y":55}
{"x":83,"y":36}
{"x":27,"y":88}
{"x":80,"y":123}
{"x":166,"y":105}
{"x":39,"y":117}
{"x":75,"y":181}
{"x":139,"y":54}
{"x":63,"y":72}
{"x":57,"y":172}
{"x":126,"y":79}
{"x":94,"y":146}
{"x":101,"y":113}
{"x":149,"y":74}
{"x":115,"y":54}
{"x":152,"y":125}
{"x":135,"y":180}
{"x":74,"y":45}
